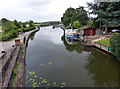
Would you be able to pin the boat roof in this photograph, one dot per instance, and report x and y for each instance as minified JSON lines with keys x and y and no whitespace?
{"x":71,"y":32}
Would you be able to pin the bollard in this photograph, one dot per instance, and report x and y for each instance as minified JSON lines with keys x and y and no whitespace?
{"x":17,"y":42}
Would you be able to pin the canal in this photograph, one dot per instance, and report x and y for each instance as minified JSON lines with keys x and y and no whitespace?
{"x":52,"y":61}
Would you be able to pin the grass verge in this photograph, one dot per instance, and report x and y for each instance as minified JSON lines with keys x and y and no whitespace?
{"x":104,"y":42}
{"x":15,"y":70}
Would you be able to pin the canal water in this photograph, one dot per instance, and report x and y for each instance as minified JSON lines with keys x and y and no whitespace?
{"x":52,"y":61}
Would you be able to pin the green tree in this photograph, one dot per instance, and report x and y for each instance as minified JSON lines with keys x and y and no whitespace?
{"x":24,"y":25}
{"x":115,"y":44}
{"x":72,"y":15}
{"x":7,"y":26}
{"x":107,"y":13}
{"x":67,"y":16}
{"x":4,"y":20}
{"x":17,"y":24}
{"x":76,"y":24}
{"x":82,"y":15}
{"x":31,"y":23}
{"x":90,"y":23}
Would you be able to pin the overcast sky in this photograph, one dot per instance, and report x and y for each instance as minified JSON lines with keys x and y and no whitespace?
{"x":37,"y":10}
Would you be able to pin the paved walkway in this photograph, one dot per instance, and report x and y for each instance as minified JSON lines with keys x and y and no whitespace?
{"x":8,"y":48}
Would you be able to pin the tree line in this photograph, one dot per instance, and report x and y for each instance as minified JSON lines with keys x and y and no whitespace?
{"x":75,"y":17}
{"x":11,"y":29}
{"x":105,"y":14}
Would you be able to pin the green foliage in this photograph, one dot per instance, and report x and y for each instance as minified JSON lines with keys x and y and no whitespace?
{"x":11,"y":28}
{"x":90,"y":23}
{"x":7,"y":26}
{"x":71,"y":15}
{"x":9,"y":35}
{"x":17,"y":24}
{"x":104,"y":42}
{"x":15,"y":69}
{"x":76,"y":24}
{"x":19,"y":30}
{"x":31,"y":23}
{"x":28,"y":28}
{"x":115,"y":44}
{"x":3,"y":20}
{"x":24,"y":25}
{"x":107,"y":13}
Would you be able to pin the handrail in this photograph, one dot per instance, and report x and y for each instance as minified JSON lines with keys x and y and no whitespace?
{"x":103,"y":44}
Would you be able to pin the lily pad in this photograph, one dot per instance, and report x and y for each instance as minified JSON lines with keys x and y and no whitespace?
{"x":61,"y":86}
{"x":35,"y":76}
{"x":48,"y":84}
{"x":44,"y":81}
{"x":54,"y":83}
{"x":63,"y":83}
{"x":40,"y":78}
{"x":42,"y":64}
{"x":49,"y":62}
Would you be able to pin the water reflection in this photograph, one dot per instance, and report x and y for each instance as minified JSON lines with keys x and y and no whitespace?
{"x":75,"y":46}
{"x":77,"y":65}
{"x":103,"y":69}
{"x":32,"y":36}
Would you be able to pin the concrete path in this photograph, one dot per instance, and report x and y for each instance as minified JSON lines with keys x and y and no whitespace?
{"x":8,"y":48}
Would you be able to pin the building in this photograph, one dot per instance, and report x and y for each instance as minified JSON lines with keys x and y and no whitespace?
{"x":87,"y":31}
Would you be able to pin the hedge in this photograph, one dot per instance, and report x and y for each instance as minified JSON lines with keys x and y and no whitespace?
{"x":28,"y":29}
{"x":115,"y":44}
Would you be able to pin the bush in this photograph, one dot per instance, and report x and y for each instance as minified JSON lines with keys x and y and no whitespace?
{"x":28,"y":29}
{"x":20,"y":30}
{"x":7,"y":26}
{"x":11,"y":34}
{"x":115,"y":44}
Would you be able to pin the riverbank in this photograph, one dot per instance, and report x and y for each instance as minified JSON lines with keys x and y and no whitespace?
{"x":9,"y":56}
{"x":18,"y":80}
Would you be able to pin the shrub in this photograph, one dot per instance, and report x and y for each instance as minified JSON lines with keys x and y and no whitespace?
{"x":20,"y":30}
{"x":28,"y":29}
{"x":9,"y":35}
{"x":115,"y":44}
{"x":7,"y":26}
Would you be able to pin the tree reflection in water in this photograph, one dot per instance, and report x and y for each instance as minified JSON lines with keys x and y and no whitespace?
{"x":72,"y":47}
{"x":103,"y":69}
{"x":32,"y":36}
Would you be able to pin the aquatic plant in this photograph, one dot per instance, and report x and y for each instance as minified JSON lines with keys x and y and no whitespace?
{"x":40,"y":78}
{"x":44,"y":81}
{"x":50,"y":62}
{"x":42,"y":64}
{"x":54,"y":83}
{"x":32,"y":79}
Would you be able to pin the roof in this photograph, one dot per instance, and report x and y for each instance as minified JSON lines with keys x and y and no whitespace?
{"x":71,"y":32}
{"x":84,"y":28}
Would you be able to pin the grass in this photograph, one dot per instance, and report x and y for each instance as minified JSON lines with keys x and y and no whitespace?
{"x":21,"y":50}
{"x":104,"y":42}
{"x":0,"y":28}
{"x":15,"y":70}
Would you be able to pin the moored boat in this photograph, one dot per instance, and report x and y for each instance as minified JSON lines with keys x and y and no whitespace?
{"x":86,"y":44}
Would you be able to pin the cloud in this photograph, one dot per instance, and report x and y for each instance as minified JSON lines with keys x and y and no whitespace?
{"x":37,"y":10}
